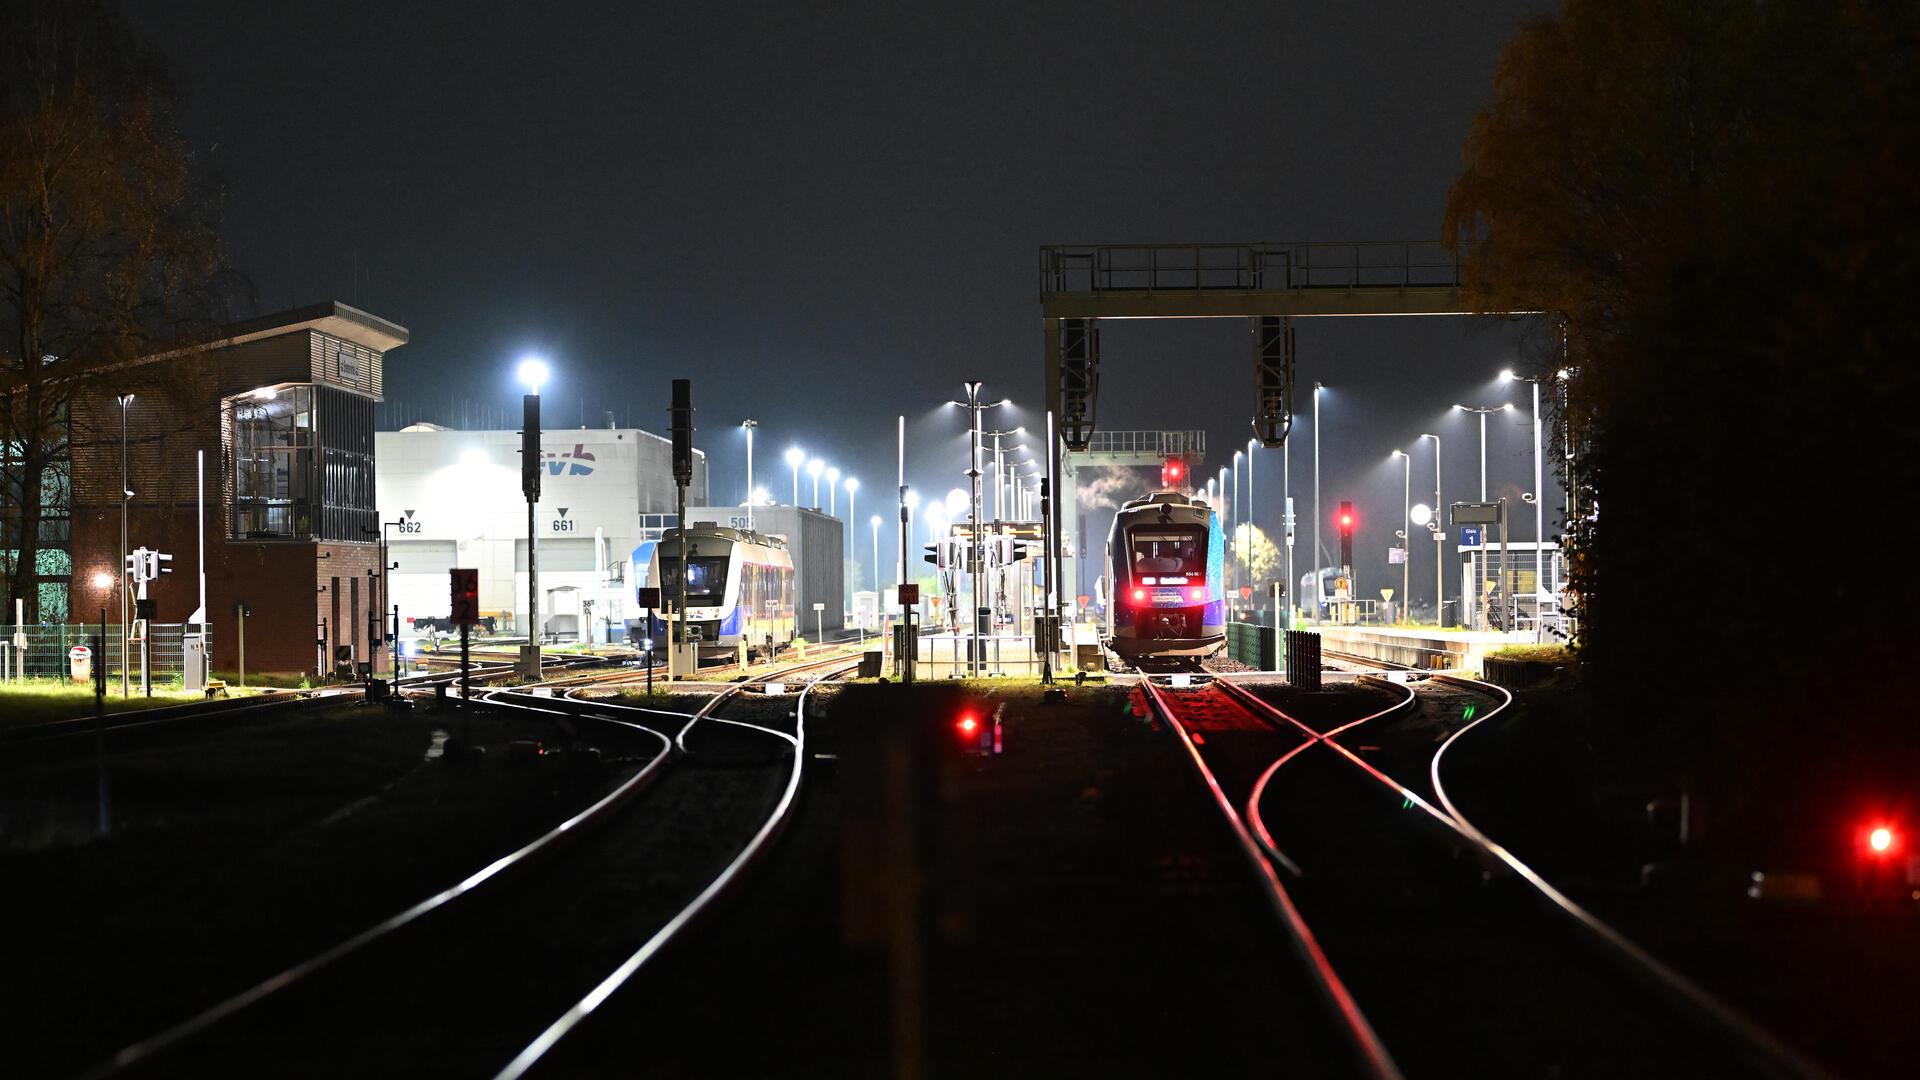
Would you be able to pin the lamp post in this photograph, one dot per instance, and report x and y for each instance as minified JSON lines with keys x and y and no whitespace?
{"x":1318,"y":586}
{"x":876,"y":565}
{"x":795,"y":458}
{"x":853,"y":487}
{"x":1439,"y":543}
{"x":533,"y":372}
{"x":1238,"y":547}
{"x":976,"y":542}
{"x":833,"y":489}
{"x":749,"y":425}
{"x":814,"y":468}
{"x":1539,"y":504}
{"x":1482,"y":411}
{"x":1286,"y":527}
{"x":1406,"y":528}
{"x":126,"y":497}
{"x":102,"y":581}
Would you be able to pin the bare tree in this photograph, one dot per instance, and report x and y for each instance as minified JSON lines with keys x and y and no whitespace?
{"x":108,"y":249}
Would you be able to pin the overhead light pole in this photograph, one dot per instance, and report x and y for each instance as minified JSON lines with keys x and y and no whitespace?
{"x":1319,"y":588}
{"x":1439,"y":543}
{"x":876,"y":565}
{"x":1406,"y":528}
{"x":833,"y":489}
{"x":1482,"y":411}
{"x":126,"y":497}
{"x":976,"y":543}
{"x":1286,"y":526}
{"x":1539,"y":504}
{"x":814,"y":468}
{"x":853,"y":486}
{"x":796,"y":457}
{"x":749,"y":425}
{"x":533,"y":373}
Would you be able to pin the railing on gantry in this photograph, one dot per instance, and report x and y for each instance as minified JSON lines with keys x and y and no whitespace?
{"x":1096,"y":268}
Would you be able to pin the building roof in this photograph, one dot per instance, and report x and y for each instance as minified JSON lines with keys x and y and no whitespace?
{"x":330,"y":317}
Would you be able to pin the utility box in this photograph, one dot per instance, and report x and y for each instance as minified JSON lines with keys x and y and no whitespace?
{"x":193,"y":663}
{"x":80,"y":663}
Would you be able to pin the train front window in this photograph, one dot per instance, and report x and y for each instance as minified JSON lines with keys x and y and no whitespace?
{"x":1168,"y":556}
{"x":706,"y":580}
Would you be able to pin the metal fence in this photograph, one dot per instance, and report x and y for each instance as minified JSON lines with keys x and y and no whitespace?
{"x":46,"y":647}
{"x":1253,"y":645}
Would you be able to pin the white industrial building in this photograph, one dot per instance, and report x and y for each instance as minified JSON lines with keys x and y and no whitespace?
{"x":452,"y":498}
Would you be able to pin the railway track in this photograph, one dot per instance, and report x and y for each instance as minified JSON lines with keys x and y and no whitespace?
{"x":1437,"y":951}
{"x":186,"y":713}
{"x":490,"y":973}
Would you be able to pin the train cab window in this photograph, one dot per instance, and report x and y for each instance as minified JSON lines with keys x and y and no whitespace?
{"x":706,"y":579}
{"x":1168,"y":556}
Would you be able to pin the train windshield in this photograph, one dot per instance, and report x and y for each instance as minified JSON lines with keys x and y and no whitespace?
{"x":1168,"y":555}
{"x":706,"y":580}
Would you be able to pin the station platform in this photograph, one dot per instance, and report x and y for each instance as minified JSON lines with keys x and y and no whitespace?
{"x":1424,"y":648}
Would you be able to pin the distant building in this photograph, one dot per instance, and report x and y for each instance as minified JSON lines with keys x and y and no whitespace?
{"x":817,"y":542}
{"x":452,"y":498}
{"x":282,"y":408}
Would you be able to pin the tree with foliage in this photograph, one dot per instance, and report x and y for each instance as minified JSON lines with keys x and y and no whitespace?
{"x":108,"y":250}
{"x":1718,"y":203}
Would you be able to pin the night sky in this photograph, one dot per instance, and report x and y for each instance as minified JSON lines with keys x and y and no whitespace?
{"x":829,"y":216}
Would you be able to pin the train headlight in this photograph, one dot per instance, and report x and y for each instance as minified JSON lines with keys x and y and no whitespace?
{"x":1139,"y":596}
{"x":1197,"y":594}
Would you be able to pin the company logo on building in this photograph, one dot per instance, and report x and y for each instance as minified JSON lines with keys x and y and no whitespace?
{"x":575,"y":462}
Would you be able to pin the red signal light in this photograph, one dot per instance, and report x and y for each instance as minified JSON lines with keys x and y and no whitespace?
{"x":1881,"y":840}
{"x":1346,"y":521}
{"x":968,"y":725}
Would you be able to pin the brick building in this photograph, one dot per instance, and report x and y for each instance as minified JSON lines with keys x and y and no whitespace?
{"x":282,"y":408}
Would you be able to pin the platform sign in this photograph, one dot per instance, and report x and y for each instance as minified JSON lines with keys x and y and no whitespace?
{"x":1475,"y":513}
{"x":1470,"y":536}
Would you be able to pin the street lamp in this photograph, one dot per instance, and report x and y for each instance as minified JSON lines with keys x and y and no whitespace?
{"x":975,"y":407}
{"x":1439,"y":543}
{"x":102,"y":581}
{"x":1319,"y":595}
{"x":1406,"y":528}
{"x":126,"y":497}
{"x":1237,"y":548}
{"x":749,"y":425}
{"x":1482,"y":411}
{"x":795,"y":458}
{"x":814,"y":468}
{"x":853,"y":486}
{"x":1539,"y":502}
{"x":533,"y":374}
{"x":876,"y":564}
{"x":833,"y":487}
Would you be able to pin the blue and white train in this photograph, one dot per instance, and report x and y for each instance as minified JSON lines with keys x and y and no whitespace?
{"x":1166,"y":569}
{"x":739,"y":589}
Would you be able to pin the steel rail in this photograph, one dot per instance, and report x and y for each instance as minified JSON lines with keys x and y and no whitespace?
{"x":680,"y":740}
{"x":770,"y":829}
{"x":493,"y":871}
{"x":1372,"y":1054}
{"x":1759,"y":1045}
{"x":1259,"y":707}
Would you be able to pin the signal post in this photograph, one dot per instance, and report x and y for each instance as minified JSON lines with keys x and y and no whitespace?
{"x":464,"y":607}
